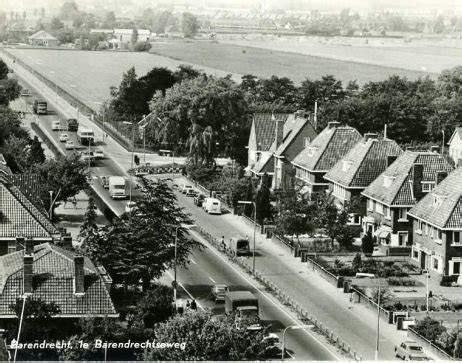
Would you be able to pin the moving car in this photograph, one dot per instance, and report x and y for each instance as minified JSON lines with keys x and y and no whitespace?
{"x":25,"y":92}
{"x":63,"y":137}
{"x":274,"y":346}
{"x":56,"y":125}
{"x":104,"y":180}
{"x":98,"y":154}
{"x":69,"y":145}
{"x":199,"y":199}
{"x":190,"y":192}
{"x":88,"y":156}
{"x":409,"y":350}
{"x":185,"y":187}
{"x":72,"y":124}
{"x":129,"y":207}
{"x":211,"y":206}
{"x":218,"y":292}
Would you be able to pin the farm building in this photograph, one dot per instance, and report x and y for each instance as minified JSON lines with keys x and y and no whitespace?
{"x":44,"y":39}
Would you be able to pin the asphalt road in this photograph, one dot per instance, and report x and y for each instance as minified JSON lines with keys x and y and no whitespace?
{"x":208,"y":267}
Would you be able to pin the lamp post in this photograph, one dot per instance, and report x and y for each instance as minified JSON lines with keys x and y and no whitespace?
{"x":254,"y":229}
{"x":52,"y":202}
{"x":133,"y":152}
{"x":378,"y":324}
{"x":292,"y":327}
{"x":175,"y":284}
{"x":427,"y":295}
{"x":24,"y":297}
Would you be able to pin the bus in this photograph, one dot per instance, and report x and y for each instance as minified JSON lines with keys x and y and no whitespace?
{"x":85,"y":136}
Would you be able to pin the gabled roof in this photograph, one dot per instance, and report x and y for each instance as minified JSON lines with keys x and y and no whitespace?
{"x":20,"y":217}
{"x":42,"y":35}
{"x":53,"y":281}
{"x":457,"y":131}
{"x":292,"y":127}
{"x":265,"y":128}
{"x":363,"y":163}
{"x":442,"y":207}
{"x":264,"y":165}
{"x":401,"y":174}
{"x":327,"y":148}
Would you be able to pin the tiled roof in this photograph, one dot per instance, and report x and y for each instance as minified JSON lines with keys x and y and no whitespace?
{"x":53,"y":281}
{"x":327,"y":148}
{"x":401,"y":174}
{"x":264,"y":165}
{"x":20,"y":217}
{"x":292,"y":128}
{"x":363,"y":163}
{"x":442,"y":207}
{"x":265,"y":128}
{"x":457,"y":131}
{"x":42,"y":35}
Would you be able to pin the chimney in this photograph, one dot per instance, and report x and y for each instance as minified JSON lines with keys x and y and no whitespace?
{"x":299,"y":113}
{"x":440,"y":175}
{"x":417,"y":181}
{"x":20,"y":243}
{"x":29,"y":247}
{"x":370,"y":135}
{"x":67,"y":242}
{"x":28,"y":273}
{"x":333,"y":124}
{"x":79,"y":286}
{"x":435,"y":149}
{"x":279,"y":133}
{"x":391,"y":159}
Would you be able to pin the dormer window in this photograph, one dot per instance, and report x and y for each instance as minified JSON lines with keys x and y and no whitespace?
{"x":438,"y":200}
{"x":388,"y":180}
{"x":427,"y":186}
{"x":312,"y":150}
{"x":346,"y":165}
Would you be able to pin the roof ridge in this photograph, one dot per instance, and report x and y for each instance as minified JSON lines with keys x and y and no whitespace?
{"x":371,"y":144}
{"x":457,"y":201}
{"x":56,"y":249}
{"x":326,"y":144}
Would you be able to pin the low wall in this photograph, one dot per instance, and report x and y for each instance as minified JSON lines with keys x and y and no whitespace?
{"x":359,"y":297}
{"x":428,"y":345}
{"x":334,"y":280}
{"x":276,"y":239}
{"x":445,"y":316}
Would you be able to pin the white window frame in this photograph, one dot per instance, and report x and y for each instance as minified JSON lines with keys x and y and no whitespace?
{"x":405,"y":233}
{"x":379,"y":208}
{"x":402,"y":215}
{"x":427,"y":187}
{"x":370,"y":205}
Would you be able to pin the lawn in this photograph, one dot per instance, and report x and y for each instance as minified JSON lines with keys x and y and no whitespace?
{"x":88,"y":75}
{"x":267,"y":62}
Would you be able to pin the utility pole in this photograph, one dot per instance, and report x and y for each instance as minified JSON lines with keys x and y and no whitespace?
{"x":315,"y":120}
{"x":378,"y":325}
{"x":442,"y":146}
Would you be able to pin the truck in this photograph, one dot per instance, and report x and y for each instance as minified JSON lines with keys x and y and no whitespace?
{"x":211,"y":206}
{"x":72,"y":124}
{"x":245,"y":305}
{"x":117,"y":187}
{"x":85,"y":135}
{"x":40,"y":107}
{"x":238,"y":246}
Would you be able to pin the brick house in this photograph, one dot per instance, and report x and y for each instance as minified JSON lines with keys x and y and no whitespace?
{"x":275,"y":139}
{"x":332,"y":144}
{"x":390,"y":196}
{"x":437,"y":224}
{"x":359,"y":168}
{"x":54,"y":274}
{"x":455,"y":146}
{"x":21,"y":216}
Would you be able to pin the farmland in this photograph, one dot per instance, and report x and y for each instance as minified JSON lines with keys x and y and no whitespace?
{"x":89,"y":75}
{"x":267,"y":62}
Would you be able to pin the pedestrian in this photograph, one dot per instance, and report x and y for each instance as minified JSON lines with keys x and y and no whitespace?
{"x":188,"y":304}
{"x":223,"y":244}
{"x":193,"y":305}
{"x":74,"y":202}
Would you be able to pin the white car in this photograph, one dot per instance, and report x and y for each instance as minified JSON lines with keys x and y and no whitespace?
{"x":129,"y":207}
{"x":98,"y":154}
{"x":63,"y":137}
{"x":69,"y":145}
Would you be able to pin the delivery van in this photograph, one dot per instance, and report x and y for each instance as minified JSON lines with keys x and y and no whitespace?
{"x":212,"y":206}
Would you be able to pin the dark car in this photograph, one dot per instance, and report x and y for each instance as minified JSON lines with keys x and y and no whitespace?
{"x":72,"y":124}
{"x":218,"y":292}
{"x":199,"y":199}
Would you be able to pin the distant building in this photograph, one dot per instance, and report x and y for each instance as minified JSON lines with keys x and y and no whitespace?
{"x":44,"y":39}
{"x":121,"y":36}
{"x":437,"y":224}
{"x":455,"y":146}
{"x":54,"y":274}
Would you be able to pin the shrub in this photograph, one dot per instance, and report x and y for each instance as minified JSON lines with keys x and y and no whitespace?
{"x":142,"y":46}
{"x":429,"y":328}
{"x":367,"y":243}
{"x":448,"y":280}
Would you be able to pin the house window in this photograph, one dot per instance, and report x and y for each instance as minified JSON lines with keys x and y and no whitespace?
{"x":379,"y":208}
{"x":339,"y":191}
{"x":402,"y":238}
{"x":306,"y":141}
{"x":420,"y":227}
{"x":386,"y":212}
{"x":355,"y":219}
{"x":435,"y":263}
{"x":11,"y":246}
{"x":427,"y":187}
{"x":370,"y":205}
{"x":426,"y":229}
{"x":415,"y":254}
{"x":402,"y":214}
{"x":439,"y":234}
{"x":456,"y":237}
{"x":456,"y":268}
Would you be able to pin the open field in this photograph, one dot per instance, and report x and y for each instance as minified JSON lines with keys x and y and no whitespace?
{"x":267,"y":62}
{"x":88,"y":75}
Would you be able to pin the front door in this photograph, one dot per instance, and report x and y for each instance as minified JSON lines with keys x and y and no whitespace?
{"x":456,"y":268}
{"x":423,"y":259}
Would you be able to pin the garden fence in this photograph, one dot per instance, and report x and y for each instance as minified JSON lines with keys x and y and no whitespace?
{"x":285,"y":299}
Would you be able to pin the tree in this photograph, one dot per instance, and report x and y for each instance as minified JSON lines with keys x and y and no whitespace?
{"x":367,"y":243}
{"x":156,"y":306}
{"x":89,"y":233}
{"x":356,"y":264}
{"x":36,"y":153}
{"x":141,"y":244}
{"x":109,"y":20}
{"x":69,"y":11}
{"x":212,"y":339}
{"x":429,"y":328}
{"x":3,"y":70}
{"x":12,"y":90}
{"x":189,"y":25}
{"x":142,"y":46}
{"x":263,"y":203}
{"x":186,"y":72}
{"x":125,"y":98}
{"x":56,"y":24}
{"x":134,"y":38}
{"x":16,"y":152}
{"x":458,"y":348}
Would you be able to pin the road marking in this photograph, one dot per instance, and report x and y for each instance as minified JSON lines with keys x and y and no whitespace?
{"x":212,"y":280}
{"x":268,"y":297}
{"x":194,"y":262}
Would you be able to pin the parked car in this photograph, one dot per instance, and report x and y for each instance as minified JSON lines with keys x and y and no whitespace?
{"x":25,"y":92}
{"x":218,"y":292}
{"x":69,"y":145}
{"x":190,"y":192}
{"x":199,"y":199}
{"x":63,"y":137}
{"x":130,"y":206}
{"x":55,"y":125}
{"x":98,"y":154}
{"x":185,"y":187}
{"x":273,"y":346}
{"x":72,"y":124}
{"x":409,"y":350}
{"x":104,"y":180}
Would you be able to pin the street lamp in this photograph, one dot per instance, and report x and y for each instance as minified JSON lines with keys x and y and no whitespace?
{"x":133,"y":152}
{"x":143,"y":127}
{"x":292,"y":327}
{"x":52,"y":202}
{"x":187,"y":227}
{"x":254,"y":229}
{"x":428,"y":277}
{"x":378,"y":324}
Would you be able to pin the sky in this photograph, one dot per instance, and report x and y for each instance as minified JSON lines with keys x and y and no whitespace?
{"x":19,"y":5}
